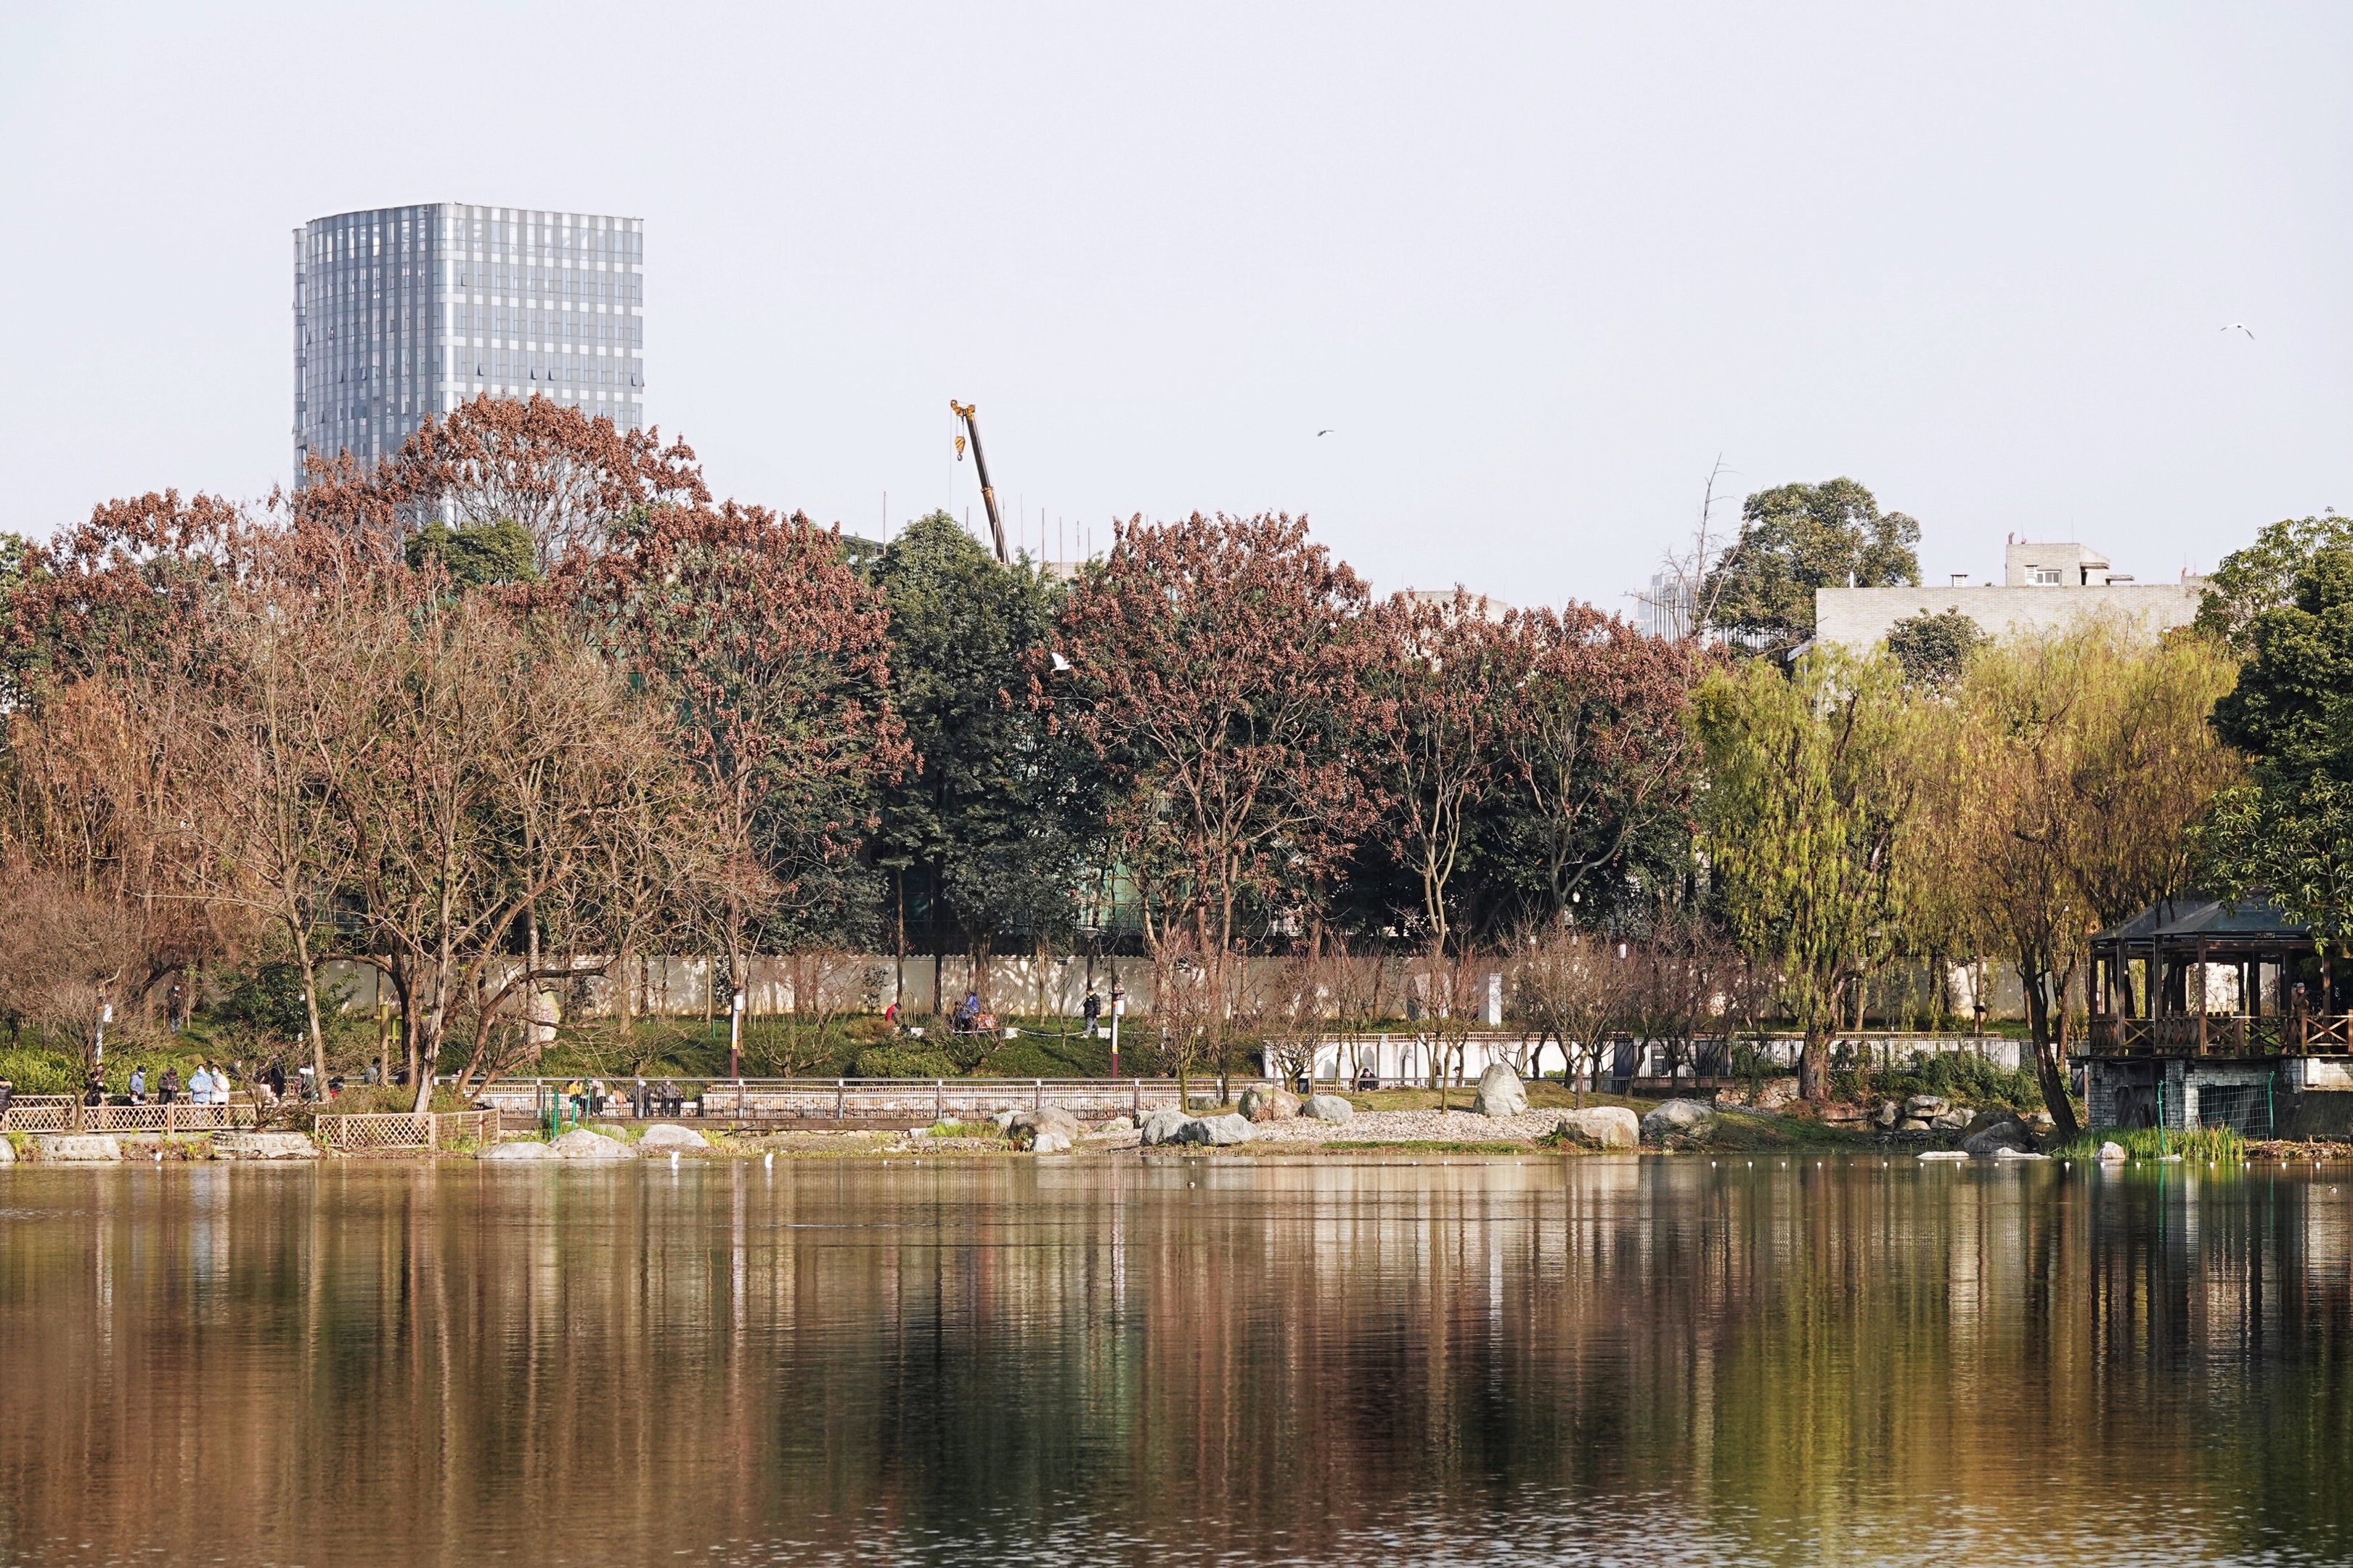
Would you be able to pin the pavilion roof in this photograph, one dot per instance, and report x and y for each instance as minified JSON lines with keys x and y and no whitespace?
{"x":2187,"y":919}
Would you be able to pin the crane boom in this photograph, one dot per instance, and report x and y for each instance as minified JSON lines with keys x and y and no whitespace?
{"x":987,"y":491}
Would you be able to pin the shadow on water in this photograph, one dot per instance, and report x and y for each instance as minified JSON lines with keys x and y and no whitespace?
{"x":1653,"y":1360}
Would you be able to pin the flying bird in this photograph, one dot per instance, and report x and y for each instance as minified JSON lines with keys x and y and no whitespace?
{"x":1061,"y":665}
{"x":2239,"y":327}
{"x":1323,"y":433}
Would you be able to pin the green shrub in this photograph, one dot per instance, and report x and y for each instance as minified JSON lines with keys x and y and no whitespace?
{"x":904,"y":1061}
{"x":1963,"y":1076}
{"x":40,"y":1072}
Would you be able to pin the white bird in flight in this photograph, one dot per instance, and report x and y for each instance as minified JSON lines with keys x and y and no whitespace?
{"x":2239,"y":327}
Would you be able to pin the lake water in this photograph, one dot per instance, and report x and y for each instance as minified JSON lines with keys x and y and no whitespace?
{"x":1180,"y":1360}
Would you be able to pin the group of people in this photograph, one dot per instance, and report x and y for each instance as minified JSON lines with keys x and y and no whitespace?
{"x":209,"y":1084}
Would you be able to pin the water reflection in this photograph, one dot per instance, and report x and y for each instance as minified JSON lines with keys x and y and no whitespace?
{"x":1650,"y":1360}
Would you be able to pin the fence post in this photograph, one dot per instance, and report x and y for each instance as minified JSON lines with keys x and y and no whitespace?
{"x":1135,"y":1086}
{"x":1037,"y":1094}
{"x":432,"y":1130}
{"x":939,"y":1100}
{"x":170,"y":1111}
{"x":840,"y":1094}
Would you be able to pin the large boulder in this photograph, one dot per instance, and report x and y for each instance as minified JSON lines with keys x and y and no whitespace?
{"x":1328,"y":1108}
{"x":1842,"y":1115}
{"x":1501,"y":1092}
{"x":521,"y":1149}
{"x":670,"y":1135}
{"x":1268,"y":1104}
{"x":580,"y":1143}
{"x":1953,"y":1119}
{"x":263,"y":1146}
{"x":7,"y":1151}
{"x":1987,"y":1138}
{"x":1028,"y":1127}
{"x":1602,"y":1127}
{"x":79,"y":1146}
{"x":1925,"y":1107}
{"x":1218,"y":1131}
{"x":1163,"y":1125}
{"x":1050,"y":1142}
{"x":1888,"y":1115}
{"x":1678,"y":1119}
{"x":2112,"y":1151}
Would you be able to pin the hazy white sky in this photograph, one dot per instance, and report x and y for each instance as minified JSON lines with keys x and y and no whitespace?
{"x":1535,"y":265}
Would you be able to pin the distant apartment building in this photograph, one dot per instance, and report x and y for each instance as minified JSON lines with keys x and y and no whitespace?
{"x":1666,"y":606}
{"x":2044,"y":587}
{"x":401,"y":312}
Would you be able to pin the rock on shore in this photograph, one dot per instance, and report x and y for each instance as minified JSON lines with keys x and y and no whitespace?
{"x":1268,"y":1104}
{"x":1033,"y":1127}
{"x":1163,"y":1126}
{"x":581,"y":1144}
{"x":1328,"y":1108}
{"x":1501,"y":1092}
{"x":1678,"y":1119}
{"x":669,"y":1135}
{"x":521,"y":1148}
{"x":1602,"y":1127}
{"x":1218,"y":1131}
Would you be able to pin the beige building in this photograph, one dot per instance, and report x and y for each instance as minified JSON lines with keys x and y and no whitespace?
{"x":2044,"y":587}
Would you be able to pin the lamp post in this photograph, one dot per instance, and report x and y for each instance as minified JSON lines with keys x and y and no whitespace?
{"x":736,"y":1040}
{"x":1118,"y":1010}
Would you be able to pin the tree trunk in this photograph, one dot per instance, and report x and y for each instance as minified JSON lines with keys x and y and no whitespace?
{"x":1813,"y":1082}
{"x":2050,"y":1069}
{"x":310,"y":1000}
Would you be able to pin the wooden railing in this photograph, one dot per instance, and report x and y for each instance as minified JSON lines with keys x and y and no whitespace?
{"x":408,"y":1129}
{"x":2223,"y":1035}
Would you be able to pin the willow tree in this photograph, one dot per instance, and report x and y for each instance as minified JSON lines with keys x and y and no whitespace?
{"x":2065,"y":778}
{"x":1807,"y":801}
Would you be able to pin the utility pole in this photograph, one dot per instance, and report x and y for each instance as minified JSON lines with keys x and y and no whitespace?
{"x":964,"y":411}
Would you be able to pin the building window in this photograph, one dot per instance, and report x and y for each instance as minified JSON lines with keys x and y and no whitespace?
{"x":2047,"y":575}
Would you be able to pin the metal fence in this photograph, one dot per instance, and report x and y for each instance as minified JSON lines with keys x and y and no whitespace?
{"x":407,"y":1130}
{"x":2243,"y":1108}
{"x":868,"y":1099}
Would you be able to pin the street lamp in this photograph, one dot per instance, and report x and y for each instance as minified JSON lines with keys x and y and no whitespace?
{"x":736,"y":1040}
{"x":1118,"y":1011}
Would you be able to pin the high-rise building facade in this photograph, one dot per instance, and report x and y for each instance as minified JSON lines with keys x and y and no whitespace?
{"x":400,"y":312}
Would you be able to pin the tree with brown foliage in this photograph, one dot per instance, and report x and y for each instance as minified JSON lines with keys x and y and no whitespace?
{"x":767,"y":658}
{"x":569,"y":478}
{"x":1218,"y":669}
{"x":1447,"y":683}
{"x":1602,"y":758}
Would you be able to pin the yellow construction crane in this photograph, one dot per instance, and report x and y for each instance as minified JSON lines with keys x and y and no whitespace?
{"x":988,"y":492}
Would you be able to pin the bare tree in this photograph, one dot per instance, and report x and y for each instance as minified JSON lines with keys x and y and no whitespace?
{"x":1569,"y":986}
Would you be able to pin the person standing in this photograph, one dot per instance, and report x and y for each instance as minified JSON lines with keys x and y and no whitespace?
{"x":139,"y":1085}
{"x":168,"y":1087}
{"x":1092,"y":1008}
{"x":200,"y":1085}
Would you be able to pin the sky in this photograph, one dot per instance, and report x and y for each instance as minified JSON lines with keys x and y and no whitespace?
{"x":1538,"y":270}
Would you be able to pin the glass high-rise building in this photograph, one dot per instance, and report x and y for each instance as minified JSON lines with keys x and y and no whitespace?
{"x":400,"y":312}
